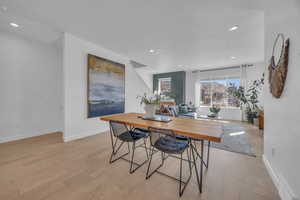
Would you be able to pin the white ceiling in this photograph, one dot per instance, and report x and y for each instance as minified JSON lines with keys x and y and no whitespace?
{"x":190,"y":34}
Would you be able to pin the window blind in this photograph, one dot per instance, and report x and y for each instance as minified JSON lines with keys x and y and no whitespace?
{"x":218,"y":74}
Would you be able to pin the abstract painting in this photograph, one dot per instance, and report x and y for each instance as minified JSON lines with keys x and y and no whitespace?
{"x":106,"y":87}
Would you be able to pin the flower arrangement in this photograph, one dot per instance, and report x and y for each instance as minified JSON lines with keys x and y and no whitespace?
{"x":151,"y":102}
{"x":153,"y":99}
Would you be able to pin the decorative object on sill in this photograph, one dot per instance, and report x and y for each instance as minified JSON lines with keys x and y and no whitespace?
{"x":215,"y":109}
{"x":278,"y":72}
{"x":151,"y":102}
{"x":248,"y":100}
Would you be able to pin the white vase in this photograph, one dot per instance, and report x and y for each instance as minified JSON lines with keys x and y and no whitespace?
{"x":150,"y":110}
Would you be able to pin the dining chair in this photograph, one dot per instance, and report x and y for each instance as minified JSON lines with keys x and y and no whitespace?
{"x":165,"y":142}
{"x":174,"y":113}
{"x":121,"y":133}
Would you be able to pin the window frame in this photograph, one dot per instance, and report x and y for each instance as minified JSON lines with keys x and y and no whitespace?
{"x":227,"y":80}
{"x":164,"y":79}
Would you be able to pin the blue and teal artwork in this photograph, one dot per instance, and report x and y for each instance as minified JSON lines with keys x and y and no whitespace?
{"x":106,"y":87}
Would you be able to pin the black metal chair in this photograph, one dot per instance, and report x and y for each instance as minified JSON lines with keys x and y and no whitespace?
{"x":165,"y":141}
{"x":121,"y":133}
{"x":174,"y":113}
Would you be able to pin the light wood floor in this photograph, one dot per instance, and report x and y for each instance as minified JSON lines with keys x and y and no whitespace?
{"x":46,"y":168}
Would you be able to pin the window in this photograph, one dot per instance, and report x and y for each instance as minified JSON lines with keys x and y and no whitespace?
{"x":164,"y":86}
{"x":216,"y":92}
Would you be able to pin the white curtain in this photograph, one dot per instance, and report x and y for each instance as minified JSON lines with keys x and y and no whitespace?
{"x":243,"y":76}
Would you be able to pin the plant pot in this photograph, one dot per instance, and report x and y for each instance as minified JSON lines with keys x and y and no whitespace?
{"x":150,"y":110}
{"x":250,"y":117}
{"x":213,"y":115}
{"x":261,"y":120}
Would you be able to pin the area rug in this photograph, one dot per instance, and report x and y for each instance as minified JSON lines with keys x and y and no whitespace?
{"x":235,"y":139}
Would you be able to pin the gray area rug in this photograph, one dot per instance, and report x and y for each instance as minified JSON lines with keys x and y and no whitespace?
{"x":235,"y":139}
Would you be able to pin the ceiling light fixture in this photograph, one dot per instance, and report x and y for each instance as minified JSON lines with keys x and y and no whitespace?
{"x":233,"y":58}
{"x":4,"y":8}
{"x":14,"y":25}
{"x":234,"y":28}
{"x":151,"y":50}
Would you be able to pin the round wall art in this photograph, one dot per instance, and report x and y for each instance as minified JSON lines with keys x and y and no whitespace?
{"x":278,"y":69}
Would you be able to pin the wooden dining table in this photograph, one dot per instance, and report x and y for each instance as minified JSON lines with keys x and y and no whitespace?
{"x":196,"y":130}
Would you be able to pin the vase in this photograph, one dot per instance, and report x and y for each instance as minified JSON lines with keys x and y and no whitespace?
{"x":150,"y":110}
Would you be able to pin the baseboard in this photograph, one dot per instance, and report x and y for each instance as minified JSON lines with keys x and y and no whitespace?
{"x":284,"y":190}
{"x":81,"y":135}
{"x":25,"y":136}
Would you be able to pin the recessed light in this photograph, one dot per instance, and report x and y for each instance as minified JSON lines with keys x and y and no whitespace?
{"x":151,"y":50}
{"x":4,"y":8}
{"x":14,"y":25}
{"x":233,"y":58}
{"x":234,"y":28}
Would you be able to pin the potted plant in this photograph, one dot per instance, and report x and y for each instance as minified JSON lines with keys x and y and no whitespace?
{"x":151,"y":102}
{"x":248,"y":99}
{"x":215,"y":109}
{"x":169,"y":96}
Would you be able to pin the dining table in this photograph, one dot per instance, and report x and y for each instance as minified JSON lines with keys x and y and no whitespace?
{"x":195,"y":130}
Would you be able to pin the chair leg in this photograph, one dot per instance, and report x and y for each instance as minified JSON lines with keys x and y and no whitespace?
{"x":115,"y":151}
{"x":189,"y":159}
{"x":132,"y":156}
{"x":162,"y":157}
{"x":146,"y":148}
{"x":151,"y":155}
{"x":181,"y":190}
{"x":180,"y":175}
{"x":128,"y":147}
{"x":131,"y":170}
{"x":113,"y":145}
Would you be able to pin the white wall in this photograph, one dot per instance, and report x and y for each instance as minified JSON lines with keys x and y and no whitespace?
{"x":147,"y":76}
{"x":282,"y":116}
{"x":30,"y":86}
{"x":76,"y":124}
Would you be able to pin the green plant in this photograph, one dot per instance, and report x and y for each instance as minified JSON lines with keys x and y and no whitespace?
{"x":215,"y":109}
{"x":154,"y":99}
{"x":248,"y":98}
{"x":171,"y":95}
